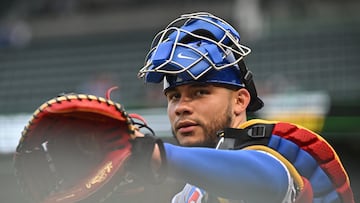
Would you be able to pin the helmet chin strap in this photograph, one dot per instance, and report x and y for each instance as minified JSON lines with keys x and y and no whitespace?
{"x":247,"y":78}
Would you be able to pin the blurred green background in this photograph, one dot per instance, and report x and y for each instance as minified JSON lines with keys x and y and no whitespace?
{"x":304,"y":57}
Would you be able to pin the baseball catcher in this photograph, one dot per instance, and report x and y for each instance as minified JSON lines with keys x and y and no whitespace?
{"x":224,"y":157}
{"x":82,"y":148}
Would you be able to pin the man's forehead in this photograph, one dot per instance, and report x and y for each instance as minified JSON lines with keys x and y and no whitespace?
{"x":195,"y":85}
{"x":189,"y":86}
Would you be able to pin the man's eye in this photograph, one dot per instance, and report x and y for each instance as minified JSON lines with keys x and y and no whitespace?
{"x":201,"y":92}
{"x":173,"y":96}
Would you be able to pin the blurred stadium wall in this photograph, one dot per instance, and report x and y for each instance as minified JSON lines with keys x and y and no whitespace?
{"x":304,"y":57}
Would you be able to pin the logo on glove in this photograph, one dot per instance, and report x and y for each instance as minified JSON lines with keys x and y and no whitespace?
{"x":101,"y":175}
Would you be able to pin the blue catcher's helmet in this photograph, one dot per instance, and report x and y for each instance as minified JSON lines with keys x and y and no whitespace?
{"x":199,"y":47}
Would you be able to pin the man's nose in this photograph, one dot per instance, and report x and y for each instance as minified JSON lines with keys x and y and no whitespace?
{"x":184,"y":106}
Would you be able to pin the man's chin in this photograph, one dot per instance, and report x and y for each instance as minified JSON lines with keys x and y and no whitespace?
{"x":192,"y":141}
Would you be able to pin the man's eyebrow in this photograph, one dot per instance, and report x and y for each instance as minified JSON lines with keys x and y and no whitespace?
{"x":170,"y":90}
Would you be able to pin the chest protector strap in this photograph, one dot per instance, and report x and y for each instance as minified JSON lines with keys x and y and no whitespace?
{"x":306,"y":155}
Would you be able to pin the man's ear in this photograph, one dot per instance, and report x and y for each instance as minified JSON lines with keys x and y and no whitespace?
{"x":242,"y":100}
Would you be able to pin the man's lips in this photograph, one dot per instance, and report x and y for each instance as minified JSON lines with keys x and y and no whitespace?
{"x":185,"y":126}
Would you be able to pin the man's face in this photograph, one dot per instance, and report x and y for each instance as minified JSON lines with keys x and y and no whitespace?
{"x":197,"y":112}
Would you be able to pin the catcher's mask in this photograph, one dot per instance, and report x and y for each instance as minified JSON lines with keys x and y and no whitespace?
{"x":199,"y":47}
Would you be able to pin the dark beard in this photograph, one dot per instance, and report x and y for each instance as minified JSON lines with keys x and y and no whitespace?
{"x":211,"y":132}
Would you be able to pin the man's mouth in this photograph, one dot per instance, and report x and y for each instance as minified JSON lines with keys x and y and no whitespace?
{"x":185,"y":127}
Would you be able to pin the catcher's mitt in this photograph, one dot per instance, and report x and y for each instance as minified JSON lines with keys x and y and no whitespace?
{"x":75,"y":148}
